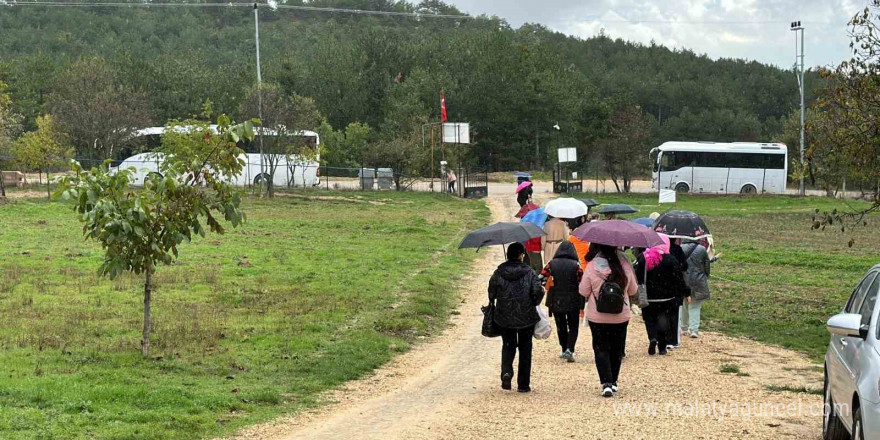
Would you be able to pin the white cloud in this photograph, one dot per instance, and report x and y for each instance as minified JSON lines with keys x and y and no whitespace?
{"x":749,"y":29}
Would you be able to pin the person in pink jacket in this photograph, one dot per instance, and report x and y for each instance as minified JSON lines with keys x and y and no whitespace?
{"x":605,"y":263}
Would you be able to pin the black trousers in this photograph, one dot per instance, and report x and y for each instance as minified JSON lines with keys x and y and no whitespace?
{"x":661,"y":322}
{"x":521,"y":339}
{"x":567,"y":325}
{"x":609,"y":344}
{"x":452,"y":187}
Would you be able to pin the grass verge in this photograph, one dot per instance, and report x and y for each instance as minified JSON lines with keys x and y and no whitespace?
{"x":315,"y":289}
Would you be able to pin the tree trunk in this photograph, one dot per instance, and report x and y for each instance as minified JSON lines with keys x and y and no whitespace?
{"x":48,"y":186}
{"x":148,"y":290}
{"x":2,"y":186}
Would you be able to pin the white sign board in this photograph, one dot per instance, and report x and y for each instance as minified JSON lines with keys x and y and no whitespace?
{"x":456,"y":133}
{"x":568,"y":155}
{"x":667,"y":196}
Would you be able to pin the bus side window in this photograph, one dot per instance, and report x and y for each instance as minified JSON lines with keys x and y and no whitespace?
{"x":667,"y":161}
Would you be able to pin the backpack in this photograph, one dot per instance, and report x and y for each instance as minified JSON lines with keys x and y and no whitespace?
{"x":610,"y":299}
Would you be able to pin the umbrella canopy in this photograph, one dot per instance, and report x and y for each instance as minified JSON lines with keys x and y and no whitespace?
{"x":536,"y":217}
{"x":617,"y":208}
{"x":618,"y":233}
{"x":566,"y":208}
{"x":528,"y":207}
{"x":644,"y":221}
{"x":523,"y":186}
{"x":500,"y":234}
{"x":590,"y":202}
{"x":679,"y":223}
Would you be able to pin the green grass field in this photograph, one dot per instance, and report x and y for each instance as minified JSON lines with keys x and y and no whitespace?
{"x":311,"y":292}
{"x":778,"y":281}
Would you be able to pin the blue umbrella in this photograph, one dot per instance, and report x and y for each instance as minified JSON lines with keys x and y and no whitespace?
{"x":644,"y":221}
{"x":536,"y":217}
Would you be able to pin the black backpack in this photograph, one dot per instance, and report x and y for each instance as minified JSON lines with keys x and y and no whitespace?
{"x":610,"y":299}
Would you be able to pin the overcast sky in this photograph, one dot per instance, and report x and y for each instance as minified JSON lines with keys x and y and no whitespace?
{"x":750,"y":29}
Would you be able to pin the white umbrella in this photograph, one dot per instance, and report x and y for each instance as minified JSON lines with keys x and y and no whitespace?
{"x":566,"y":208}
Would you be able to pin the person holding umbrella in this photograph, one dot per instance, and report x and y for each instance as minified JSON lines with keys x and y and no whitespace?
{"x":661,"y":274}
{"x":516,"y":291}
{"x":524,"y":193}
{"x":563,"y":300}
{"x":605,"y":269}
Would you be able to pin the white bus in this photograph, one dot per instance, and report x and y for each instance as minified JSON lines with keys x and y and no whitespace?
{"x":720,"y":168}
{"x":291,"y":172}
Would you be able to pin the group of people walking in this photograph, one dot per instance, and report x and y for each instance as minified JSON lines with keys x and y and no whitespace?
{"x":668,"y":282}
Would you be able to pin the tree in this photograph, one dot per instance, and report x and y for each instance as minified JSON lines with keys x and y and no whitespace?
{"x":344,"y":148}
{"x":283,"y":117}
{"x":625,"y":151}
{"x":43,"y":149}
{"x":848,"y":127}
{"x":140,"y":229}
{"x":10,"y":125}
{"x":98,"y":113}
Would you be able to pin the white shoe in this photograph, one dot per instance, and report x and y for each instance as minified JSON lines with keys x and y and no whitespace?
{"x":607,"y":391}
{"x":614,"y":388}
{"x":695,"y":335}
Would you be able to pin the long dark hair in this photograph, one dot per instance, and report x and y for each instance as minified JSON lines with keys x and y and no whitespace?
{"x":617,"y":276}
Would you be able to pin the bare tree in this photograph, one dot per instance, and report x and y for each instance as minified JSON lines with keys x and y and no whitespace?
{"x":95,"y":110}
{"x":625,"y":151}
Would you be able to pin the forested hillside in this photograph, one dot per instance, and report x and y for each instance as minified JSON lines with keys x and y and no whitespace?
{"x":512,"y":85}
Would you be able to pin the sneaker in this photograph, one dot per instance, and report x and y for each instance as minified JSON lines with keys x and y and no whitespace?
{"x":663,"y":352}
{"x":671,"y":347}
{"x":505,"y":381}
{"x":652,"y":349}
{"x":569,"y":356}
{"x":607,"y":391}
{"x":685,"y":332}
{"x":562,"y":355}
{"x":695,"y":335}
{"x":614,"y":387}
{"x":524,"y":390}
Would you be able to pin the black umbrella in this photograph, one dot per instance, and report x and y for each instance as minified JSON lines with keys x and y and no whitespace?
{"x":678,"y":223}
{"x":617,"y":208}
{"x":501,"y":234}
{"x":590,"y":202}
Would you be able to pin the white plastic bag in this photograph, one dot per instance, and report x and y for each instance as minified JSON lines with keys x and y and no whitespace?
{"x":542,"y":328}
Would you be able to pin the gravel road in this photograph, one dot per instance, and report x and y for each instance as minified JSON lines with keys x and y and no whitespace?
{"x":448,"y":388}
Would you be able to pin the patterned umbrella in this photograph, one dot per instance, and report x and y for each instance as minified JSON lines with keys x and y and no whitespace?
{"x":679,"y":223}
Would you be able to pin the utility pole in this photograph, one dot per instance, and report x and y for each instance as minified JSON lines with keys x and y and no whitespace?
{"x":799,"y":58}
{"x":259,"y":95}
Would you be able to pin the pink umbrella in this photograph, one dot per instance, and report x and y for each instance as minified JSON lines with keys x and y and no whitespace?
{"x":523,"y":186}
{"x":618,"y":233}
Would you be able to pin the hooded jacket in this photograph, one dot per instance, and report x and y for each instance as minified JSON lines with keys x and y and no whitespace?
{"x":597,"y":271}
{"x":566,"y":273}
{"x":516,"y":290}
{"x":697,"y":274}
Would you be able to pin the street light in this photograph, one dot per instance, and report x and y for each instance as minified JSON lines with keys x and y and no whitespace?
{"x":799,"y":62}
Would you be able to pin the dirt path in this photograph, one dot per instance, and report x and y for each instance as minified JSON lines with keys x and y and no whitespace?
{"x":449,"y":388}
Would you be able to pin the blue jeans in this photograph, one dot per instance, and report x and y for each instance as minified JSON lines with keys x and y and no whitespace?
{"x":690,"y":316}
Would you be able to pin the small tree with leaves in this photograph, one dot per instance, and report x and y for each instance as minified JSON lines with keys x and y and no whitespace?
{"x":141,"y":229}
{"x":43,"y":149}
{"x":283,"y":118}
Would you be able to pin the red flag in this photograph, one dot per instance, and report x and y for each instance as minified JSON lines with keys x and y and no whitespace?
{"x":442,"y":107}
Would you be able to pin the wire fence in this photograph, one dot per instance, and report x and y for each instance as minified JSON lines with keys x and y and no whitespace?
{"x":285,"y":175}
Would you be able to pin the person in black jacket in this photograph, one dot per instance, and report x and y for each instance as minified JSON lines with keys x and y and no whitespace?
{"x":517,"y":292}
{"x":665,"y":287}
{"x":524,"y":196}
{"x":563,"y":300}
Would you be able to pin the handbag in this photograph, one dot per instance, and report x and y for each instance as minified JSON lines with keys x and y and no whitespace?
{"x":542,"y":328}
{"x":490,"y":329}
{"x":643,"y":290}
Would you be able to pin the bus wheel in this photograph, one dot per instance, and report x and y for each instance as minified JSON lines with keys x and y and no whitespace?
{"x":748,"y":189}
{"x":682,"y":188}
{"x":262,"y":179}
